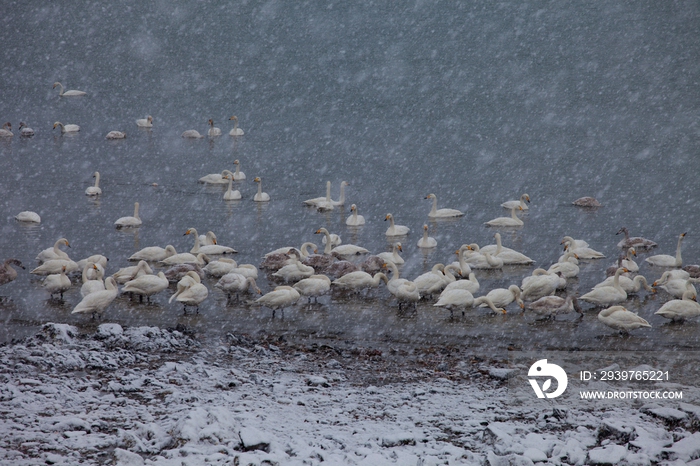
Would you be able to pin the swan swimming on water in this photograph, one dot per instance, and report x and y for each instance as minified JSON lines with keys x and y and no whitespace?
{"x":441,"y":213}
{"x":6,"y":131}
{"x":619,"y":318}
{"x":145,"y":122}
{"x":129,"y":222}
{"x":427,"y":242}
{"x":213,"y":130}
{"x":512,"y":221}
{"x":395,"y":230}
{"x":354,"y":220}
{"x":67,"y":128}
{"x":24,"y":130}
{"x":71,"y":93}
{"x":260,"y":196}
{"x":116,"y":135}
{"x":28,"y":216}
{"x":94,"y":190}
{"x":236,"y":131}
{"x":664,"y":260}
{"x":521,"y":202}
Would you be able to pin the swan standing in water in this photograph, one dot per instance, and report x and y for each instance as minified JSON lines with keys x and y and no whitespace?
{"x":606,"y":295}
{"x":354,"y":219}
{"x":190,"y":291}
{"x":94,"y":190}
{"x":392,"y":256}
{"x":471,"y":284}
{"x":313,"y":287}
{"x":567,"y":265}
{"x":664,"y":260}
{"x":57,"y":283}
{"x":25,"y":131}
{"x":634,"y":242}
{"x":67,"y":128}
{"x":116,"y":135}
{"x":551,"y":306}
{"x":71,"y":93}
{"x":236,"y":131}
{"x":628,"y":262}
{"x":512,"y":221}
{"x":681,"y":309}
{"x":208,"y":248}
{"x":441,"y":213}
{"x":6,"y":131}
{"x":395,"y":230}
{"x":145,"y":122}
{"x":54,"y":252}
{"x":7,"y":273}
{"x":237,"y":283}
{"x":427,"y":242}
{"x":213,"y":130}
{"x":621,"y":319}
{"x":582,"y":252}
{"x":238,"y":175}
{"x":94,"y":284}
{"x":522,"y":203}
{"x":455,"y":299}
{"x":279,"y":298}
{"x":260,"y":196}
{"x":405,"y":291}
{"x":146,"y":285}
{"x":359,"y":280}
{"x":482,"y":261}
{"x":28,"y":216}
{"x":501,"y":297}
{"x":129,"y":222}
{"x":231,"y":194}
{"x":509,"y":256}
{"x":675,"y":286}
{"x":153,"y":253}
{"x":126,"y":274}
{"x":97,"y":302}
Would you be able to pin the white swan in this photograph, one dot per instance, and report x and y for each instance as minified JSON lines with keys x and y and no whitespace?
{"x":629,"y":263}
{"x":519,"y":203}
{"x":219,"y":268}
{"x":238,"y":175}
{"x":606,"y":295}
{"x":55,"y":266}
{"x":236,"y":131}
{"x":57,"y":283}
{"x":427,"y":242}
{"x":71,"y":93}
{"x":129,"y":222}
{"x":341,"y":251}
{"x":260,"y":196}
{"x":67,"y":128}
{"x":354,"y":219}
{"x":100,"y":263}
{"x":209,"y":248}
{"x":485,"y":301}
{"x":541,"y":283}
{"x":675,"y":286}
{"x":97,"y":302}
{"x":231,"y":194}
{"x":192,"y":134}
{"x":576,"y":243}
{"x":508,"y":255}
{"x":185,"y":258}
{"x":126,"y":274}
{"x":405,"y":291}
{"x":190,"y":291}
{"x":359,"y":280}
{"x":213,"y":130}
{"x":664,"y":260}
{"x":313,"y":286}
{"x":436,"y":280}
{"x":635,"y":241}
{"x":392,"y":256}
{"x":28,"y":216}
{"x":455,"y":299}
{"x":90,"y":285}
{"x":314,"y":201}
{"x":621,"y":319}
{"x":24,"y":130}
{"x":6,"y":131}
{"x":216,"y":178}
{"x":583,"y":252}
{"x":153,"y":253}
{"x":341,"y":199}
{"x":551,"y":306}
{"x":116,"y":135}
{"x":470,"y":284}
{"x":146,"y":285}
{"x":395,"y":230}
{"x":294,"y":271}
{"x":54,"y":252}
{"x":279,"y":298}
{"x":145,"y":122}
{"x":681,"y":309}
{"x":501,"y":297}
{"x":567,"y":265}
{"x":94,"y":190}
{"x":237,"y":283}
{"x":482,"y":261}
{"x":441,"y":213}
{"x":512,"y":221}
{"x":464,"y":268}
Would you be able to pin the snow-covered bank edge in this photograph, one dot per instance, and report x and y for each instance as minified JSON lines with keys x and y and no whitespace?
{"x":152,"y":396}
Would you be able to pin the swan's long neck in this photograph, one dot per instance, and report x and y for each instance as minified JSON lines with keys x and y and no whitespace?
{"x":305,"y":250}
{"x":395,"y":252}
{"x":230,"y":183}
{"x":640,"y":281}
{"x":616,"y":280}
{"x":328,"y":191}
{"x":425,"y":235}
{"x":354,"y":215}
{"x":341,"y":200}
{"x":512,"y":214}
{"x":679,"y":261}
{"x":488,"y":302}
{"x":499,"y":246}
{"x":195,"y":249}
{"x":259,"y":189}
{"x":136,"y":212}
{"x":394,"y":271}
{"x":434,"y":209}
{"x":327,"y":249}
{"x":492,"y":262}
{"x":60,"y":87}
{"x":448,"y":273}
{"x":97,"y":179}
{"x":379,"y":277}
{"x":85,"y":270}
{"x":522,"y":201}
{"x":472,"y":278}
{"x":238,"y":169}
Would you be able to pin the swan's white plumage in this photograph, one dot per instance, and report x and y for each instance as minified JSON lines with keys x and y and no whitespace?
{"x":94,"y":190}
{"x":28,"y":216}
{"x":441,"y":213}
{"x":621,"y":319}
{"x":129,"y":222}
{"x":395,"y":230}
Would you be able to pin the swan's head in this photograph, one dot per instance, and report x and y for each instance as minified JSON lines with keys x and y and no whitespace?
{"x":8,"y":126}
{"x":632,"y":251}
{"x":430,"y":196}
{"x":190,"y":231}
{"x":353,"y":208}
{"x":321,"y":231}
{"x":65,"y":241}
{"x":398,"y":246}
{"x":55,"y":125}
{"x":55,"y":85}
{"x":526,"y":197}
{"x":257,"y":179}
{"x":683,"y":235}
{"x":473,"y":247}
{"x":388,"y":217}
{"x":234,"y":118}
{"x":211,"y":122}
{"x":236,"y":162}
{"x":622,"y":230}
{"x":344,"y":183}
{"x":149,"y":118}
{"x":22,"y":125}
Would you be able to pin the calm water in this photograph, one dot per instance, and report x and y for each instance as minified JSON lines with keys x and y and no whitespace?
{"x":475,"y":104}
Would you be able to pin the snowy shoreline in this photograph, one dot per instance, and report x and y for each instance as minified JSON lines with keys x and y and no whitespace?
{"x":145,"y":395}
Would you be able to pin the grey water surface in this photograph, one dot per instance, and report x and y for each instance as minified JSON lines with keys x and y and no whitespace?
{"x":475,"y":102}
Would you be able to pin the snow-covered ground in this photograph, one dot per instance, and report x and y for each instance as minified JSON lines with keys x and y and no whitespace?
{"x":145,"y":395}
